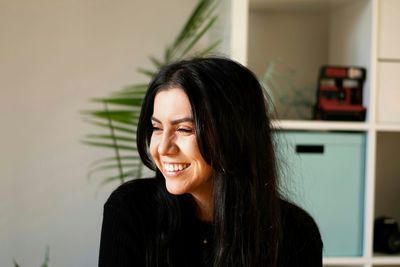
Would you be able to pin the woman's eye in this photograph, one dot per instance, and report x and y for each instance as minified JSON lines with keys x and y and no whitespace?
{"x":156,"y":128}
{"x":185,"y":130}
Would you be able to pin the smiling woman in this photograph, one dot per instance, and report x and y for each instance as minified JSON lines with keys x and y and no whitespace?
{"x":174,"y":149}
{"x":214,"y":201}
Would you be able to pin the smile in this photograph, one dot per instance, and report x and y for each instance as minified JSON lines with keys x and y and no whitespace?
{"x":175,"y":167}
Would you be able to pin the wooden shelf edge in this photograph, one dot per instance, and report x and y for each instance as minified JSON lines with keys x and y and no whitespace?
{"x":386,"y":259}
{"x":319,"y":125}
{"x":334,"y":126}
{"x":327,"y":261}
{"x":356,"y":261}
{"x":388,"y":127}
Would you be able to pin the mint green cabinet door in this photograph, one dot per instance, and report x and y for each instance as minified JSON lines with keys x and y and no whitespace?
{"x":324,"y":173}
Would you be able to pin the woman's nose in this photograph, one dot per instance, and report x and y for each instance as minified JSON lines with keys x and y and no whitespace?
{"x":167,"y":145}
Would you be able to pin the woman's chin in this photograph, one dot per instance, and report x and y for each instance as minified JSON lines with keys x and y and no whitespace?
{"x":174,"y":188}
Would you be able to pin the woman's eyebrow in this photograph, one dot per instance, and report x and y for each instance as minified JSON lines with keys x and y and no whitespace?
{"x":155,"y":119}
{"x":177,"y":121}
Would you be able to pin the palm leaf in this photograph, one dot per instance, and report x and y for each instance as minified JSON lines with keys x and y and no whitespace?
{"x":122,"y":116}
{"x":44,"y":264}
{"x":201,"y":15}
{"x":117,"y":119}
{"x":110,"y":137}
{"x":122,"y":175}
{"x":112,"y":167}
{"x":110,"y":145}
{"x":113,"y":159}
{"x":46,"y":259}
{"x":130,"y":129}
{"x":148,"y":73}
{"x":198,"y":36}
{"x":157,"y":63}
{"x":133,"y":101}
{"x":133,"y":89}
{"x":209,"y":49}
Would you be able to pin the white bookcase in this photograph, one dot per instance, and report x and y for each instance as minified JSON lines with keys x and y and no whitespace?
{"x":306,"y":34}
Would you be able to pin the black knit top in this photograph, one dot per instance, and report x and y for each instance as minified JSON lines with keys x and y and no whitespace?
{"x":134,"y":215}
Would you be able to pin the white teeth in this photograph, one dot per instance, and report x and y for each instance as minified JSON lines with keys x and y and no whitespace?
{"x":175,"y":167}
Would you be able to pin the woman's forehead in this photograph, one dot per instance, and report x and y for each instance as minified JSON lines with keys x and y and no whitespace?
{"x":172,"y":103}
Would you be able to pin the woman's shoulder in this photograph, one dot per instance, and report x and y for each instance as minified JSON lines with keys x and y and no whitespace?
{"x":135,"y":193}
{"x":296,"y":220}
{"x":129,"y":219}
{"x":301,"y":239}
{"x":294,"y":213}
{"x":137,"y":186}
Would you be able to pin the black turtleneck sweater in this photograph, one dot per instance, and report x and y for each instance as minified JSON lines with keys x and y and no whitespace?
{"x":135,"y":214}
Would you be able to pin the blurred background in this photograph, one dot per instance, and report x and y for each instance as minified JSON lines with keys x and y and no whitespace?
{"x":54,"y":57}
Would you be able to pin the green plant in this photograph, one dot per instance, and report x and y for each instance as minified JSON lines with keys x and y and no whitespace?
{"x":44,"y":264}
{"x":291,"y":100}
{"x":119,"y":113}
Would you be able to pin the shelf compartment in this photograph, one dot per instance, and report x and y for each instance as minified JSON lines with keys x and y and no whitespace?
{"x":387,"y":197}
{"x":295,"y":39}
{"x":387,"y":183}
{"x":326,"y":178}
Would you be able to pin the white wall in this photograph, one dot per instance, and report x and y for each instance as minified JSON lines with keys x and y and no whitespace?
{"x":54,"y":55}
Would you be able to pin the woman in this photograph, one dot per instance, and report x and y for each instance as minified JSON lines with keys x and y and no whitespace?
{"x":214,"y":201}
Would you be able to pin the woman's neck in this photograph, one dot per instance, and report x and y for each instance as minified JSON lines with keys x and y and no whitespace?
{"x":204,"y":207}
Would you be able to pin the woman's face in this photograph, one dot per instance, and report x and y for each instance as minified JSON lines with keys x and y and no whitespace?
{"x":174,"y":148}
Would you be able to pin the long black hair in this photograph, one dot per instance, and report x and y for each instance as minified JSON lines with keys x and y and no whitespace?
{"x":234,"y":136}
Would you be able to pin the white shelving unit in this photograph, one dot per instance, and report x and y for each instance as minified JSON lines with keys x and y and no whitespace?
{"x":309,"y":33}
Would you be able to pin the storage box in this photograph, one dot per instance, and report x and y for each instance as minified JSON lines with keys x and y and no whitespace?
{"x":324,"y":174}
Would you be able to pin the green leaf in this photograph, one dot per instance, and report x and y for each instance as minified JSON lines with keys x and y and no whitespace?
{"x":193,"y":20}
{"x":123,"y":116}
{"x":109,"y":145}
{"x":133,"y":101}
{"x":200,"y":15}
{"x":112,"y":166}
{"x":112,"y":113}
{"x":122,"y":159}
{"x":129,"y":128}
{"x":209,"y":49}
{"x":148,"y":73}
{"x":113,"y":137}
{"x":121,"y":177}
{"x":157,"y":63}
{"x":46,"y":259}
{"x":199,"y":35}
{"x":138,"y":88}
{"x":128,"y":94}
{"x":168,"y":55}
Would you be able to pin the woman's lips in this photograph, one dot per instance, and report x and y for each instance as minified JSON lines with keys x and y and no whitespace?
{"x":174,"y":168}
